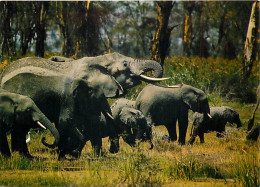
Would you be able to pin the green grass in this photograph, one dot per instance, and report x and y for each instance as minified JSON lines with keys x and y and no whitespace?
{"x":228,"y":161}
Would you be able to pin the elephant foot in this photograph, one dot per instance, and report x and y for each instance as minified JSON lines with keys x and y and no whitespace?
{"x":191,"y":141}
{"x":75,"y":154}
{"x":114,"y":146}
{"x":181,"y":142}
{"x":28,"y":156}
{"x":113,"y":149}
{"x":61,"y":156}
{"x":166,"y":138}
{"x":6,"y":155}
{"x":220,"y":134}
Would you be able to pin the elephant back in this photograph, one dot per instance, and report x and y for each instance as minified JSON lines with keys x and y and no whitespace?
{"x":34,"y":65}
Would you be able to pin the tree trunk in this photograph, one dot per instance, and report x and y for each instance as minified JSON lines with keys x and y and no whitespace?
{"x":64,"y":17}
{"x":161,"y":38}
{"x":8,"y":45}
{"x":41,"y":29}
{"x":250,"y":49}
{"x":187,"y":31}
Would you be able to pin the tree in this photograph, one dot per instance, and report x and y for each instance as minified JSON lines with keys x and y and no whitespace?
{"x":79,"y":27}
{"x":187,"y":31}
{"x":7,"y":14}
{"x":40,"y":27}
{"x":161,"y":38}
{"x":250,"y":49}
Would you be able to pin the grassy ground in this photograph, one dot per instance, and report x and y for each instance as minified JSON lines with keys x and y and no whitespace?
{"x":229,"y":161}
{"x":219,"y":161}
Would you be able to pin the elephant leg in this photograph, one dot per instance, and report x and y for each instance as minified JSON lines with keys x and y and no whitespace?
{"x":18,"y":143}
{"x":61,"y":155}
{"x":193,"y":136}
{"x":201,"y":135}
{"x":114,"y":145}
{"x":221,"y":131}
{"x":183,"y":125}
{"x":195,"y":132}
{"x":96,"y":145}
{"x":172,"y":130}
{"x":4,"y":148}
{"x":129,"y":139}
{"x":113,"y":135}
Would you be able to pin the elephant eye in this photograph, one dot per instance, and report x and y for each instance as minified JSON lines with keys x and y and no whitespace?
{"x":28,"y":110}
{"x":125,"y":63}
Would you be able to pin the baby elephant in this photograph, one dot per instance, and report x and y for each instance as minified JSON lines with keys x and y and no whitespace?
{"x":18,"y":113}
{"x":219,"y":118}
{"x":130,"y":123}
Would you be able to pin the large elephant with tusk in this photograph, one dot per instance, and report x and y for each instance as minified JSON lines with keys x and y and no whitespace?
{"x":19,"y":114}
{"x":73,"y":93}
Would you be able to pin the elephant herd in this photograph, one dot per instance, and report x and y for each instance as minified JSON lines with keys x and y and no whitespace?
{"x":73,"y":94}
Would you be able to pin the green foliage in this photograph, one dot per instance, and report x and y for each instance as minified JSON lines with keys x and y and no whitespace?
{"x":220,"y":77}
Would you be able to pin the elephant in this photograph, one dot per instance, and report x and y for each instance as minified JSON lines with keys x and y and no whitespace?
{"x":130,"y":123}
{"x":219,"y":118}
{"x":73,"y":94}
{"x":164,"y":106}
{"x":19,"y":114}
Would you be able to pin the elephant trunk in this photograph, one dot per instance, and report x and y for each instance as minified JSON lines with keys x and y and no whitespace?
{"x":142,"y":66}
{"x":46,"y":123}
{"x":150,"y":65}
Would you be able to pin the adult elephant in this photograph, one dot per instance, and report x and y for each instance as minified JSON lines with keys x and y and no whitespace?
{"x":73,"y":93}
{"x":130,"y":123}
{"x":19,"y":114}
{"x":164,"y":106}
{"x":219,"y":118}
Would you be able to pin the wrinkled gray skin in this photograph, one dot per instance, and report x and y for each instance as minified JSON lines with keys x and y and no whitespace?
{"x":130,"y":123}
{"x":73,"y":94}
{"x":19,"y":114}
{"x":220,"y":116}
{"x":164,"y":106}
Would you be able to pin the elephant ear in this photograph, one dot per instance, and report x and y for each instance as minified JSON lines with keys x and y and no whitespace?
{"x":190,"y":97}
{"x":101,"y":78}
{"x":7,"y":106}
{"x":229,"y":114}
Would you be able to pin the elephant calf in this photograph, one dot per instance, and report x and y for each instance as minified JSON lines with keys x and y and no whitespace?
{"x":130,"y":123}
{"x":219,"y":118}
{"x":18,"y":113}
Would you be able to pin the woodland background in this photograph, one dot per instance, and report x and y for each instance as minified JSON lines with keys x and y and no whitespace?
{"x":199,"y":43}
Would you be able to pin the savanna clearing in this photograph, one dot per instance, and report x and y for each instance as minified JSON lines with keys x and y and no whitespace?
{"x":231,"y":161}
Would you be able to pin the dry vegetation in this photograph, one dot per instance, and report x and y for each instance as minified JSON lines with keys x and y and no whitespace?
{"x":231,"y":161}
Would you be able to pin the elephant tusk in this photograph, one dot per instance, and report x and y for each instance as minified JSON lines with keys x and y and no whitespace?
{"x":174,"y":86}
{"x":29,"y":138}
{"x":153,"y":79}
{"x":209,"y":115}
{"x":109,"y":115}
{"x":41,"y":125}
